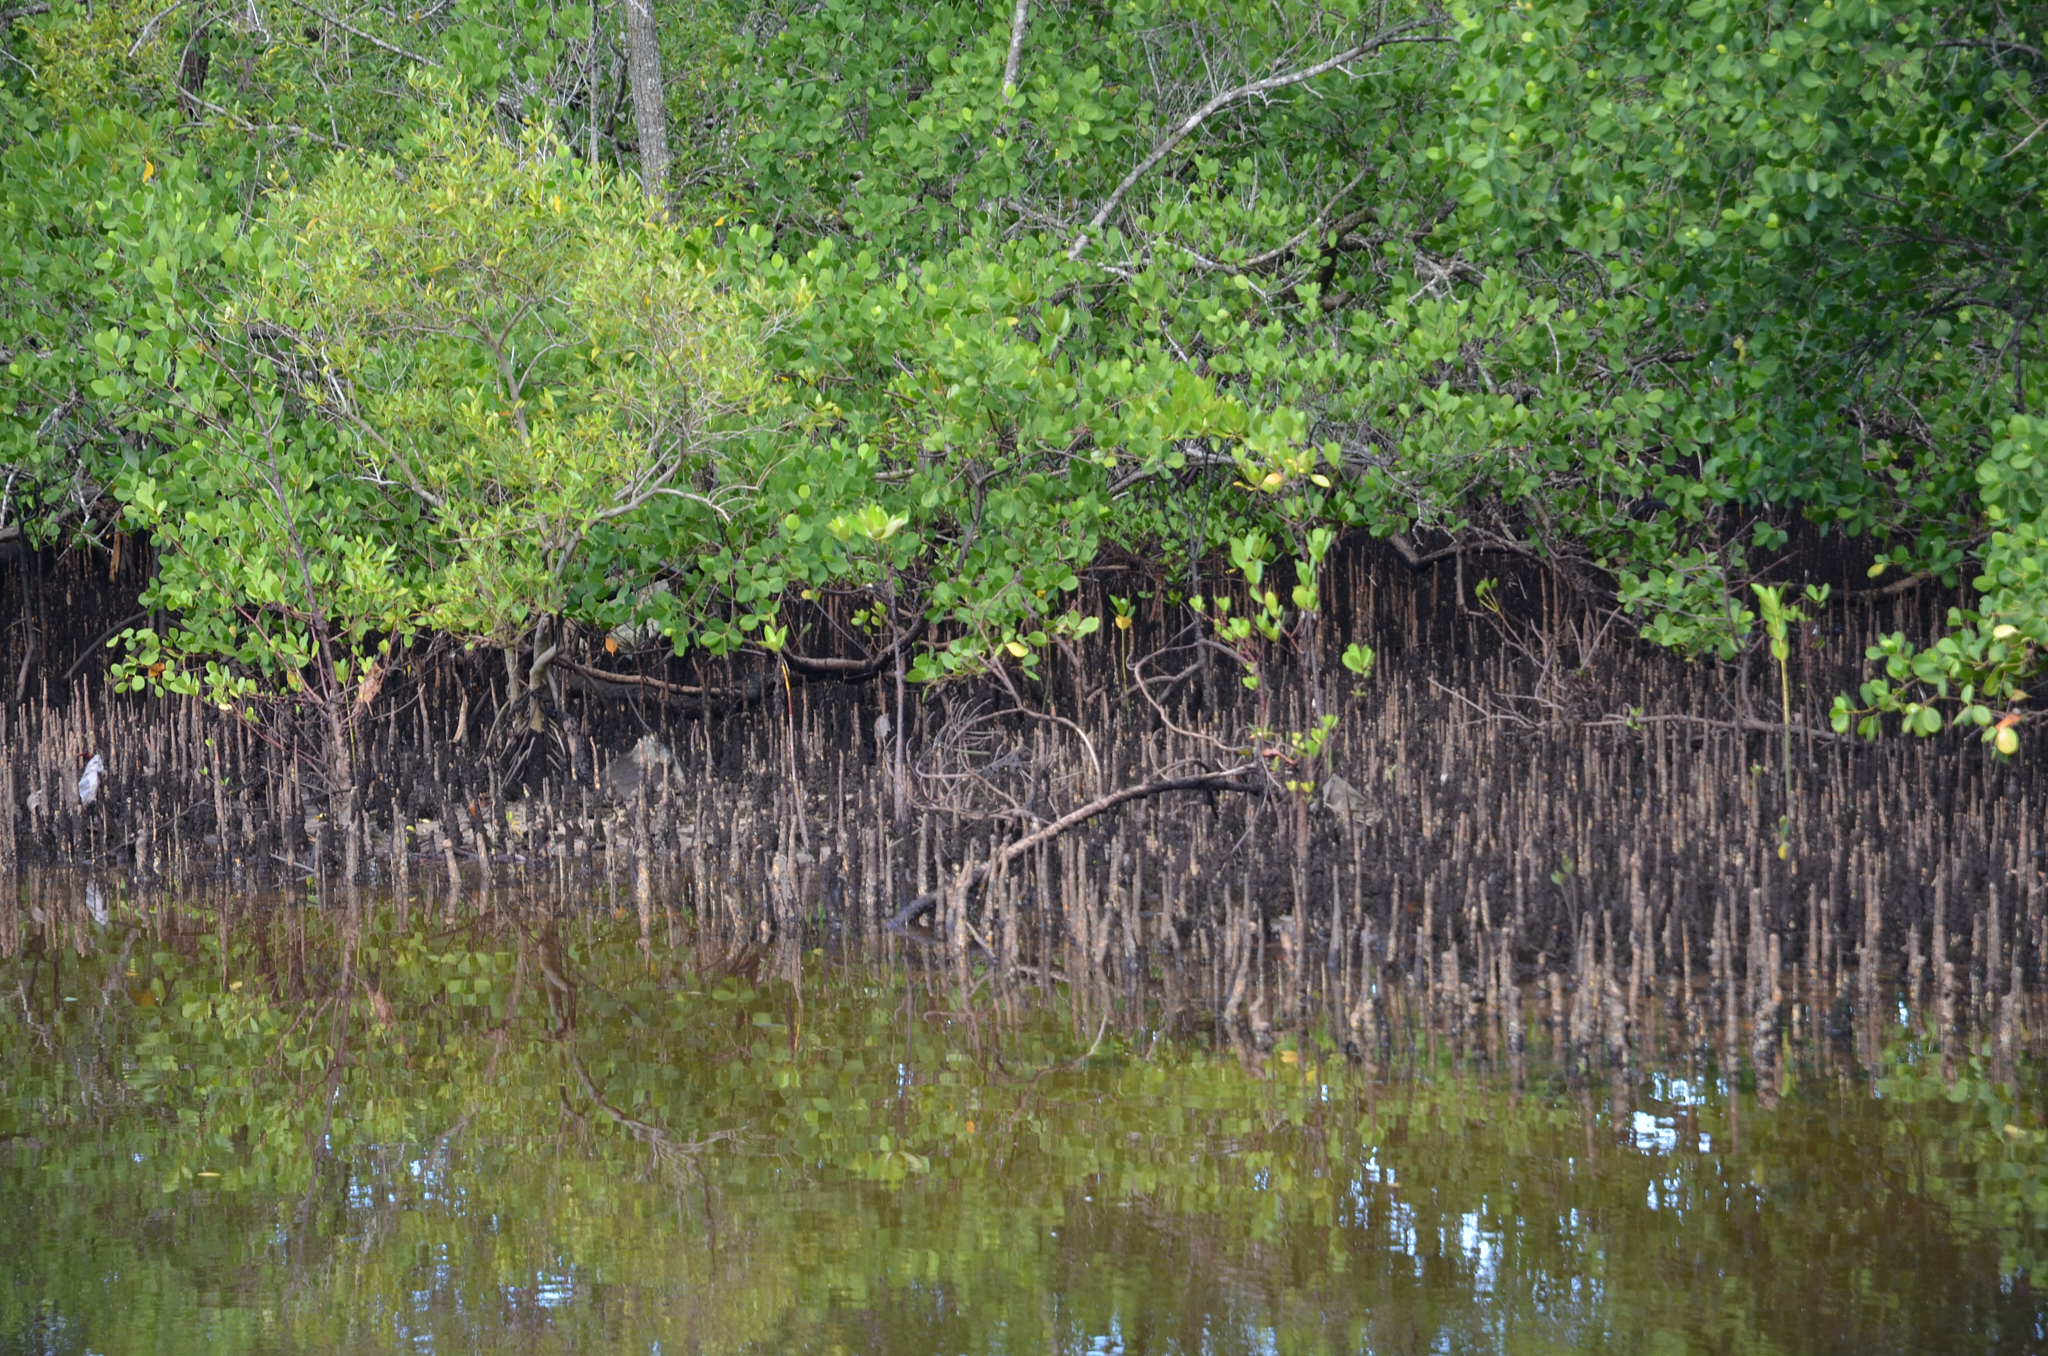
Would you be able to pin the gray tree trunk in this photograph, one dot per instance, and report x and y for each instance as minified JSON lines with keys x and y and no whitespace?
{"x":1019,"y":18}
{"x":650,"y":117}
{"x":1012,"y":66}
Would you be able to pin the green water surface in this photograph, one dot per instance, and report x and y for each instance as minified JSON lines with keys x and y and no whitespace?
{"x":312,"y":1130}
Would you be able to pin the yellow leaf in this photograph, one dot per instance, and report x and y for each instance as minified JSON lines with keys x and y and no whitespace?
{"x":148,"y":171}
{"x":611,"y":645}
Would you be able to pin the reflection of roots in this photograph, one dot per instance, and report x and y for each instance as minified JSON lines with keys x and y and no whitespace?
{"x":555,"y":973}
{"x":667,"y":1151}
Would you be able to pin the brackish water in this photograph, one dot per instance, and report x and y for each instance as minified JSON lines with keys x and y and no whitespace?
{"x":302,"y":1129}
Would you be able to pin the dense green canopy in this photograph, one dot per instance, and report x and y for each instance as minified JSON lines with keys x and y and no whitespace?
{"x":360,"y":314}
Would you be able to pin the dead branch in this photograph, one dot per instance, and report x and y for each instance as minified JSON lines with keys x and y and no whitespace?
{"x":853,"y":670}
{"x":1402,"y":33}
{"x":1237,"y":779}
{"x":685,"y":696}
{"x":370,"y":38}
{"x":1891,"y":590}
{"x":1800,"y":730}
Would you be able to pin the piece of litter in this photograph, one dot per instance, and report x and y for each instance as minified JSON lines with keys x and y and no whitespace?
{"x":89,"y":780}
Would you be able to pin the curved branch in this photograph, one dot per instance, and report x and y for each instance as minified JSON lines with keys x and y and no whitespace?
{"x":850,"y":669}
{"x":94,"y":648}
{"x":1022,"y":710}
{"x":1416,"y":559}
{"x":676,"y":694}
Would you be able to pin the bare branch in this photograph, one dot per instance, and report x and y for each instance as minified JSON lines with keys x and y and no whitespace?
{"x":1891,"y":590}
{"x":370,"y":38}
{"x":1799,"y":729}
{"x":255,"y":127}
{"x":1231,"y":779}
{"x":850,"y":669}
{"x":1403,"y":33}
{"x":676,"y":694}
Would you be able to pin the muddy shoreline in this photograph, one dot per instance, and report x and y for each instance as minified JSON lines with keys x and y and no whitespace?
{"x":1587,"y":823}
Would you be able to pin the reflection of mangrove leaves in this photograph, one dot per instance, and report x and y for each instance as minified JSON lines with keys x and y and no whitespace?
{"x":850,"y":1167}
{"x":893,"y":1165}
{"x":1989,"y":1169}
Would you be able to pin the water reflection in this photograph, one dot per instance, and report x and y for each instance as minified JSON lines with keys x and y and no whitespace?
{"x":333,"y":1130}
